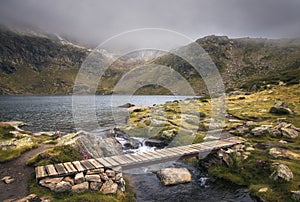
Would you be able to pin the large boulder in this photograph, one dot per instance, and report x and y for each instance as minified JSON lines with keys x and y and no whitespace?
{"x":281,"y":109}
{"x":110,"y":146}
{"x":282,"y":172}
{"x":172,"y":176}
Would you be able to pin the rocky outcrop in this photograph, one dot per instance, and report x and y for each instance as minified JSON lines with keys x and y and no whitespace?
{"x":172,"y":176}
{"x":282,"y":172}
{"x":283,"y":153}
{"x":281,"y":108}
{"x":105,"y":179}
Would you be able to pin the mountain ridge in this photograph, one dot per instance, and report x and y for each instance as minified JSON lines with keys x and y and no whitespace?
{"x":38,"y":63}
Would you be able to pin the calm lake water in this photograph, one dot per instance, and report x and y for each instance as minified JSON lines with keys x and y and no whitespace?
{"x":52,"y":113}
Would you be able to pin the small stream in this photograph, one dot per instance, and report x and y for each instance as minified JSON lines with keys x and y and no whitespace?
{"x":148,"y":187}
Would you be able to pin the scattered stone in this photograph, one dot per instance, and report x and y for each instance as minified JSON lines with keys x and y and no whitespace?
{"x":172,"y":176}
{"x":281,"y":109}
{"x":261,"y":130}
{"x":63,"y":186}
{"x":263,"y":190}
{"x":283,"y":142}
{"x":92,"y":178}
{"x":296,"y":195}
{"x":284,"y":153}
{"x":95,"y":186}
{"x":30,"y":197}
{"x":79,"y":178}
{"x":109,"y":187}
{"x":249,"y":149}
{"x":282,"y":172}
{"x":289,"y":132}
{"x":79,"y":188}
{"x":8,"y":179}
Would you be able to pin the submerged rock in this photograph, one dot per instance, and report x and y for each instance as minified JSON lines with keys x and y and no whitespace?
{"x":172,"y":176}
{"x":282,"y":172}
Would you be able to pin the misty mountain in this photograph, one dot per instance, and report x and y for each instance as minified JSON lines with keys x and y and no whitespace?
{"x":33,"y":62}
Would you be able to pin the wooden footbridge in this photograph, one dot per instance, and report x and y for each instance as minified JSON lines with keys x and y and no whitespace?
{"x":134,"y":160}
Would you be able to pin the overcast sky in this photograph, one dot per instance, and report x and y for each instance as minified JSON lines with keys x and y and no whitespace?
{"x":93,"y":21}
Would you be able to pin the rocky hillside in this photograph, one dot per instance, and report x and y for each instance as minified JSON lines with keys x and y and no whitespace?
{"x":36,"y":63}
{"x":245,"y":63}
{"x":33,"y":63}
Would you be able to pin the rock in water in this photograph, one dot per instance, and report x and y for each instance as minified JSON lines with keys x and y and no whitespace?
{"x":127,"y":105}
{"x":172,"y":176}
{"x":282,"y":172}
{"x":280,"y":108}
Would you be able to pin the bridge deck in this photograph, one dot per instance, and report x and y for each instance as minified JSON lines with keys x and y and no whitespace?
{"x":135,"y":160}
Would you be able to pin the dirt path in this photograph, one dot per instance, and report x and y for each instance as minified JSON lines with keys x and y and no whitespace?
{"x":20,"y":172}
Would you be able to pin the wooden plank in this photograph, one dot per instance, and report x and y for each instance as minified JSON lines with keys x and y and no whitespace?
{"x":133,"y":157}
{"x":151,"y":156}
{"x":60,"y":169}
{"x":128,"y":160}
{"x":104,"y":162}
{"x":51,"y":170}
{"x":118,"y":160}
{"x":157,"y":154}
{"x":111,"y":161}
{"x":78,"y":166}
{"x":144,"y":158}
{"x":70,"y":168}
{"x":87,"y":165}
{"x":129,"y":156}
{"x":95,"y":163}
{"x":40,"y":172}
